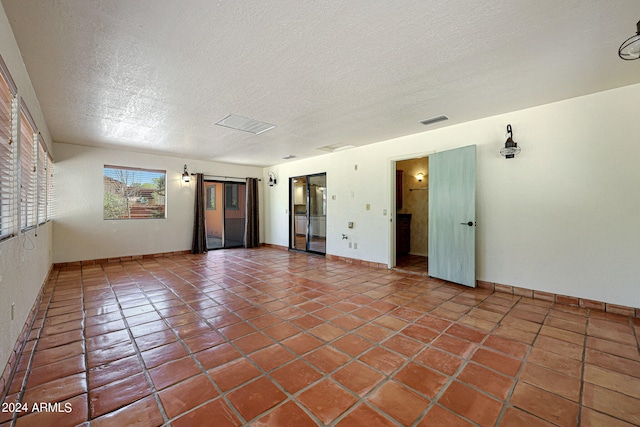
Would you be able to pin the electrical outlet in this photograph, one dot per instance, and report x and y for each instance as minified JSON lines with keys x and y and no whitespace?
{"x":355,"y":245}
{"x":367,"y":207}
{"x":350,"y":245}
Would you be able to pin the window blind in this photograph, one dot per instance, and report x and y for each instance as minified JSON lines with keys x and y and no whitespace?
{"x":7,"y":154}
{"x":50,"y":197}
{"x":43,"y":157}
{"x":28,"y":141}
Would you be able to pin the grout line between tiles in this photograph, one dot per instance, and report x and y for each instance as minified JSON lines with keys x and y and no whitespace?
{"x":463,"y":365}
{"x":582,"y":368}
{"x":84,"y":344}
{"x":507,"y":400}
{"x":221,"y":394}
{"x":152,"y":387}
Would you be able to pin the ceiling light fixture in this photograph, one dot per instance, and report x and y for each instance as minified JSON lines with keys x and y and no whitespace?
{"x":245,"y":124}
{"x":185,"y":175}
{"x":630,"y":49}
{"x":435,"y":119}
{"x":510,"y":146}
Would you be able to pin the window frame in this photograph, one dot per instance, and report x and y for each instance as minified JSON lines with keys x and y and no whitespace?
{"x":8,"y":179}
{"x":124,"y":198}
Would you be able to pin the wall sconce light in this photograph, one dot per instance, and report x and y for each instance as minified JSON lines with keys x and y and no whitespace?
{"x":510,"y":146}
{"x":185,"y":175}
{"x":420,"y":177}
{"x":630,"y":49}
{"x":272,"y":179}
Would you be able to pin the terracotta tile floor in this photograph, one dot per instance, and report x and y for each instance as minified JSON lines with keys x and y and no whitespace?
{"x":412,"y":264}
{"x":267,"y":337}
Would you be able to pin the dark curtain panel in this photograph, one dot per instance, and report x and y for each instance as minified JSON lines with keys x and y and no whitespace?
{"x":199,"y":231}
{"x":251,"y":230}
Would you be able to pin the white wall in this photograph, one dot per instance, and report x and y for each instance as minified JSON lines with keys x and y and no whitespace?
{"x":562,"y":217}
{"x":25,"y":259}
{"x":80,"y":232}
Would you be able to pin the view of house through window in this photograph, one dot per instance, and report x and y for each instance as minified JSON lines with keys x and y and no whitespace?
{"x":131,"y":193}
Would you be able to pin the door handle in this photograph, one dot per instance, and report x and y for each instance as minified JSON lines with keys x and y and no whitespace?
{"x":470,"y":223}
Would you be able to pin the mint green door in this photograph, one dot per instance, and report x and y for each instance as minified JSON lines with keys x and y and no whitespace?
{"x":452,"y":215}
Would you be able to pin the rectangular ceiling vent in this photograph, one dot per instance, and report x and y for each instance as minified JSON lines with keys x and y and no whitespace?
{"x":336,"y":147}
{"x":245,"y":124}
{"x":435,"y":119}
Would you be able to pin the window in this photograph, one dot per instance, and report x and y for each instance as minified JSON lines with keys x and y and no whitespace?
{"x":7,"y":176}
{"x":49,"y":187}
{"x":27,"y":170}
{"x":43,"y":187}
{"x":132,"y":193}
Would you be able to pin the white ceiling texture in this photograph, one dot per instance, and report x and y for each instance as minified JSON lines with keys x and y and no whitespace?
{"x":154,"y":76}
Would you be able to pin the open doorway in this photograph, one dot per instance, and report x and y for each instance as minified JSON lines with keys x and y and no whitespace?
{"x":412,"y":216}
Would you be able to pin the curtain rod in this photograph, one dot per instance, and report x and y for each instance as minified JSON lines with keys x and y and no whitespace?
{"x":224,"y":177}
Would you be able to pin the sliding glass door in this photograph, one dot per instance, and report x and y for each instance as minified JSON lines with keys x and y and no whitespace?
{"x":308,"y":213}
{"x":224,"y":214}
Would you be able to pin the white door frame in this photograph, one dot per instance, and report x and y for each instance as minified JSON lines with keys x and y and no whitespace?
{"x":392,"y":201}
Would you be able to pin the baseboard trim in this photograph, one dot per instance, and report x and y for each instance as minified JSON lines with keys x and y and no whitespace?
{"x":356,"y":261}
{"x":116,"y":260}
{"x":561,"y":299}
{"x":272,"y":246}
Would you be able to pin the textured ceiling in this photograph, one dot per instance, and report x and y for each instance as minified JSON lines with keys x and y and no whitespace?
{"x":154,"y":76}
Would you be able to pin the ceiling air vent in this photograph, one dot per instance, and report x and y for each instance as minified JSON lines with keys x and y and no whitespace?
{"x":336,"y":147}
{"x":245,"y":124}
{"x":435,"y":119}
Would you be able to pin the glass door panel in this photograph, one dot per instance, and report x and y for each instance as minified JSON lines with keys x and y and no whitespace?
{"x":234,"y":214}
{"x":224,"y":214}
{"x":299,"y":213}
{"x":317,"y":195}
{"x":214,"y":214}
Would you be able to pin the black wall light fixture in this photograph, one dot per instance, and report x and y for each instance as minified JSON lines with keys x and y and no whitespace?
{"x":272,"y":179}
{"x":185,"y":175}
{"x":511,"y":148}
{"x":630,"y":49}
